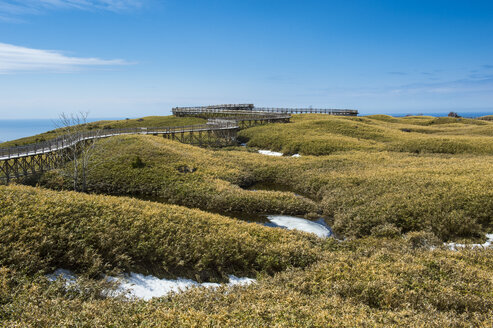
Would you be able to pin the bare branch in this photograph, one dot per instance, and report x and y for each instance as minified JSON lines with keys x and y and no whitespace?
{"x":72,"y":128}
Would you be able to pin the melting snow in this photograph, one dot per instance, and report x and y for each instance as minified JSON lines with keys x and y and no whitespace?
{"x":270,"y":153}
{"x":488,"y":243}
{"x":294,"y":223}
{"x":68,"y":275}
{"x":146,"y":287}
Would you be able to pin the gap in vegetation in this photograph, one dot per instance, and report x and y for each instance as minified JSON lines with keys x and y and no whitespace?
{"x":271,"y":186}
{"x":311,"y":222}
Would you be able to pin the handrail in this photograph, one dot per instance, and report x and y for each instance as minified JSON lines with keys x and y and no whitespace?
{"x":68,"y":140}
{"x":235,"y":113}
{"x":244,"y":109}
{"x":309,"y":110}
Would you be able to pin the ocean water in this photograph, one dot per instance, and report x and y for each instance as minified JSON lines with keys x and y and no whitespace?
{"x":19,"y":128}
{"x":15,"y":129}
{"x":435,"y":114}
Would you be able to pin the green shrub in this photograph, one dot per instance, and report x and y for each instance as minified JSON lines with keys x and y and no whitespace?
{"x":137,"y":163}
{"x":387,"y":230}
{"x":421,"y":239}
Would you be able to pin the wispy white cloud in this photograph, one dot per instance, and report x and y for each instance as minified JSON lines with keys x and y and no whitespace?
{"x":14,"y":59}
{"x":473,"y":82}
{"x":470,"y":84}
{"x":11,"y":10}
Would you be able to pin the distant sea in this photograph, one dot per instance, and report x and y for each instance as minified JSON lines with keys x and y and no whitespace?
{"x":19,"y":128}
{"x":436,"y":114}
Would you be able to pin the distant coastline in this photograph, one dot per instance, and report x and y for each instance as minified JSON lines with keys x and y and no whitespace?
{"x":436,"y":114}
{"x":11,"y":129}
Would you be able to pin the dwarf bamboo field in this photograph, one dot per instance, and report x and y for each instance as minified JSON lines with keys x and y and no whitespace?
{"x":146,"y":122}
{"x":358,"y":191}
{"x":319,"y":135}
{"x":394,"y":190}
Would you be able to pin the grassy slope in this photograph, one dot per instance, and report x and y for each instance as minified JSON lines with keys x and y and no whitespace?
{"x":324,"y":134}
{"x":44,"y":230}
{"x":182,"y":174}
{"x":361,"y":191}
{"x":376,"y":282}
{"x":487,"y":118}
{"x":149,"y":121}
{"x":367,"y":189}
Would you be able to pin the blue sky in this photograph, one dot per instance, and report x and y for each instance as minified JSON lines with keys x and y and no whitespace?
{"x":130,"y":58}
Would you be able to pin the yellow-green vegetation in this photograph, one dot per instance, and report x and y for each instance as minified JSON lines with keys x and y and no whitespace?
{"x":149,"y":121}
{"x":397,"y":188}
{"x":172,"y":172}
{"x":42,"y":230}
{"x":360,"y":192}
{"x":486,"y":118}
{"x":367,"y":282}
{"x":326,"y":134}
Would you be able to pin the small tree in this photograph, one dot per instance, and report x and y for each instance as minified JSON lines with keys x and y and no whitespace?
{"x":453,"y":114}
{"x":80,"y":148}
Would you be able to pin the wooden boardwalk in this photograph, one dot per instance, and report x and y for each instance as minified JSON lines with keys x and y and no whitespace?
{"x":21,"y":161}
{"x":221,"y":129}
{"x":67,"y":141}
{"x":245,"y":109}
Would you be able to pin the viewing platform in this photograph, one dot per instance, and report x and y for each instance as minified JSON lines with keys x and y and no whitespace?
{"x":243,"y":109}
{"x":221,"y":130}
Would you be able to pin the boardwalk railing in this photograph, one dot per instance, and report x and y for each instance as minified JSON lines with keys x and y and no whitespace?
{"x":243,"y":109}
{"x":330,"y":111}
{"x":67,"y":141}
{"x":223,"y":122}
{"x":232,"y":106}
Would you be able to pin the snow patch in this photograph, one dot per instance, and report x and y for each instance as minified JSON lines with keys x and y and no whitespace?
{"x":294,"y":223}
{"x":146,"y":287}
{"x":296,"y":155}
{"x":68,"y":275}
{"x":240,"y":281}
{"x":270,"y":153}
{"x":136,"y":285}
{"x":488,"y":243}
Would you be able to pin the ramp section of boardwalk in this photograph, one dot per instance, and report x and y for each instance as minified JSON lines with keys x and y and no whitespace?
{"x":21,"y":161}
